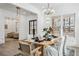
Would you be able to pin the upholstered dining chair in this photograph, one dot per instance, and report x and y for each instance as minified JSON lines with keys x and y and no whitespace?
{"x":50,"y":51}
{"x":58,"y":49}
{"x":27,"y":49}
{"x":67,"y":49}
{"x":63,"y":50}
{"x":53,"y":50}
{"x":57,"y":45}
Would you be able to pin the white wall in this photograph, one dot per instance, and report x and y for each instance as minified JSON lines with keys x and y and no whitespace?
{"x":2,"y":33}
{"x":40,"y":23}
{"x":24,"y":26}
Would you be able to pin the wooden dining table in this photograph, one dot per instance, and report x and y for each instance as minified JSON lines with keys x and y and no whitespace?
{"x":43,"y":44}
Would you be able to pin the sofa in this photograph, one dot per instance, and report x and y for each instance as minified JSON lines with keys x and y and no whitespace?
{"x":13,"y":35}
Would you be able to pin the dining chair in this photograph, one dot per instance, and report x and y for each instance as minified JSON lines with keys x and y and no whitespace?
{"x":50,"y":51}
{"x":57,"y":45}
{"x":60,"y":48}
{"x":67,"y":49}
{"x":53,"y":50}
{"x":27,"y":49}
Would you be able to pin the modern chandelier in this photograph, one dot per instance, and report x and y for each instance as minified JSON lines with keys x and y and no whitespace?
{"x":48,"y":11}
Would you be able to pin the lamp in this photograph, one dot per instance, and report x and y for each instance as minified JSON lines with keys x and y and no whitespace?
{"x":48,"y":11}
{"x":18,"y":14}
{"x":17,"y":17}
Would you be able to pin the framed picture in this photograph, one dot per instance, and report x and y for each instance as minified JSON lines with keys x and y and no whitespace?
{"x":6,"y":26}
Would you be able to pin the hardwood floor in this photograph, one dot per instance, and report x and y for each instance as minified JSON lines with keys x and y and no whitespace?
{"x":10,"y":47}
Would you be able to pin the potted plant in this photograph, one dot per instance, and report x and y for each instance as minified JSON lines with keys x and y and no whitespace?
{"x":48,"y":33}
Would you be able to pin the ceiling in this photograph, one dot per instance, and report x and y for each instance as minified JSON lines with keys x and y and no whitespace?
{"x":12,"y":8}
{"x":52,"y":5}
{"x":41,"y":6}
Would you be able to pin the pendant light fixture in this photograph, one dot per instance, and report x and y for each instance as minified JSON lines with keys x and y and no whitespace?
{"x":48,"y":11}
{"x":18,"y":14}
{"x":17,"y":18}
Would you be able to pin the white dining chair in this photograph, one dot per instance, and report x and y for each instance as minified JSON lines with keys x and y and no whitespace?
{"x":50,"y":51}
{"x":68,"y":49}
{"x":62,"y":46}
{"x":54,"y":50}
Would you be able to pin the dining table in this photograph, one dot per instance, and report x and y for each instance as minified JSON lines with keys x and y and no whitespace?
{"x":42,"y":44}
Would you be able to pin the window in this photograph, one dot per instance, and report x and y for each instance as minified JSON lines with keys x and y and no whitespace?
{"x":33,"y":27}
{"x":69,"y":24}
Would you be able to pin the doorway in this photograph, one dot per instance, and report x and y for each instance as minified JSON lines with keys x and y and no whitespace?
{"x":11,"y":30}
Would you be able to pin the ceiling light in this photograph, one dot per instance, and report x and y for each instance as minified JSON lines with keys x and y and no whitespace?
{"x":48,"y":11}
{"x":18,"y":14}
